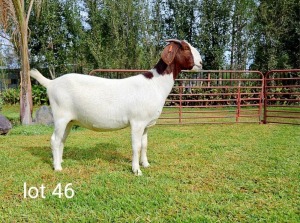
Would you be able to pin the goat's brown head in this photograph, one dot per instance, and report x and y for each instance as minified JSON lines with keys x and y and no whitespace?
{"x":183,"y":53}
{"x":180,"y":55}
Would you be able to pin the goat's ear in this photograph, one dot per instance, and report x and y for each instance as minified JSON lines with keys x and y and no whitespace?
{"x":169,"y":52}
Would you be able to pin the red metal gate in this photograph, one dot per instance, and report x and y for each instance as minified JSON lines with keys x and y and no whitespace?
{"x":210,"y":96}
{"x":282,"y":97}
{"x":215,"y":96}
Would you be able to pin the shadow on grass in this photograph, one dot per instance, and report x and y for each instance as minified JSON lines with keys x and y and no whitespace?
{"x":105,"y":151}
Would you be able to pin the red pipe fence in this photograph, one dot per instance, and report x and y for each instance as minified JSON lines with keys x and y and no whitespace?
{"x":282,"y":96}
{"x":227,"y":96}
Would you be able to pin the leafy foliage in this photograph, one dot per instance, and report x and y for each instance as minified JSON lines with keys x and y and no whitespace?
{"x":11,"y":96}
{"x":241,"y":33}
{"x":39,"y":95}
{"x":118,"y":33}
{"x":214,"y":29}
{"x":56,"y":44}
{"x":78,"y":36}
{"x":277,"y":35}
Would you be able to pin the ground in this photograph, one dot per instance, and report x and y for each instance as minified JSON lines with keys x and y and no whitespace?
{"x":198,"y":173}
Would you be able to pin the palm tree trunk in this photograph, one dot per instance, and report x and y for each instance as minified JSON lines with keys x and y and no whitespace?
{"x":25,"y":93}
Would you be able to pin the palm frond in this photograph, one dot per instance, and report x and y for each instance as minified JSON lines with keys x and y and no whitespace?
{"x":7,"y":14}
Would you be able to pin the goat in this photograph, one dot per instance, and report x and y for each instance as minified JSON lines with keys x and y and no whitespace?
{"x":103,"y":104}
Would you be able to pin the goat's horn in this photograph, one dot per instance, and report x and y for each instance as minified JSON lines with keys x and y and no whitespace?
{"x":174,"y":40}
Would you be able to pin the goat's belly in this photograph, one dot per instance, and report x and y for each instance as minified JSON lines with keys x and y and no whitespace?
{"x":112,"y":127}
{"x":102,"y":125}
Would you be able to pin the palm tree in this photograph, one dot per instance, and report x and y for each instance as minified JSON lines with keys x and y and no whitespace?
{"x":14,"y":22}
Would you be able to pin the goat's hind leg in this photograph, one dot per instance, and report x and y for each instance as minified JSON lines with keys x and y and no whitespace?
{"x":66,"y":133}
{"x":61,"y":131}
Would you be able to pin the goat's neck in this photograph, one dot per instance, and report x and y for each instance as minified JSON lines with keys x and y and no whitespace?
{"x":163,"y":69}
{"x":166,"y":76}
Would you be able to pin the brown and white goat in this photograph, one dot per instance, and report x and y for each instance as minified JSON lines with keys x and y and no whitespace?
{"x":110,"y":104}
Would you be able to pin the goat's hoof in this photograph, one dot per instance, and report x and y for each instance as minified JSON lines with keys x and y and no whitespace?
{"x":145,"y":164}
{"x":137,"y":172}
{"x":58,"y":168}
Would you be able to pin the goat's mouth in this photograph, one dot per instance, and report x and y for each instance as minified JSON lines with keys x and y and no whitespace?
{"x":197,"y":67}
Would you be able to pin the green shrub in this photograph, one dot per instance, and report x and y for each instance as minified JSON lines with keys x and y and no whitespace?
{"x":39,"y":95}
{"x":11,"y":96}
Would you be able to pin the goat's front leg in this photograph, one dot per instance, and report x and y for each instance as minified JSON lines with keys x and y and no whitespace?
{"x":144,"y":159}
{"x":136,"y":138}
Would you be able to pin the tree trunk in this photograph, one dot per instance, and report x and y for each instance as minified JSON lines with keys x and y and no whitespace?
{"x":25,"y":92}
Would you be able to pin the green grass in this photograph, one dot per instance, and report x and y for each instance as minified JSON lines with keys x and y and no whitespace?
{"x":198,"y":173}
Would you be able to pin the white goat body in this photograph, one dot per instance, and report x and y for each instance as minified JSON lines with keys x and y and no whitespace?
{"x":103,"y":104}
{"x":109,"y":104}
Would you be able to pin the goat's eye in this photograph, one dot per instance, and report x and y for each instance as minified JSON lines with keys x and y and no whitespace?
{"x":186,"y":48}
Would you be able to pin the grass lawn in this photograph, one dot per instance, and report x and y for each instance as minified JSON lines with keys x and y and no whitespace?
{"x":198,"y":173}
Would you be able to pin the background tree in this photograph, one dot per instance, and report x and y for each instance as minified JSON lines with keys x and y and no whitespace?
{"x":213,"y":31}
{"x":80,"y":35}
{"x":277,"y":35}
{"x":58,"y":45}
{"x":179,"y":18}
{"x":14,"y":17}
{"x":116,"y":34}
{"x":241,"y":37}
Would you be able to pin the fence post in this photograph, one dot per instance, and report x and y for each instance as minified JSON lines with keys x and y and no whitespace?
{"x":238,"y":112}
{"x":265,"y":95}
{"x":261,"y":101}
{"x":180,"y":102}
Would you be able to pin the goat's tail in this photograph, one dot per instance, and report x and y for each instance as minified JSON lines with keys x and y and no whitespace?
{"x":39,"y":77}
